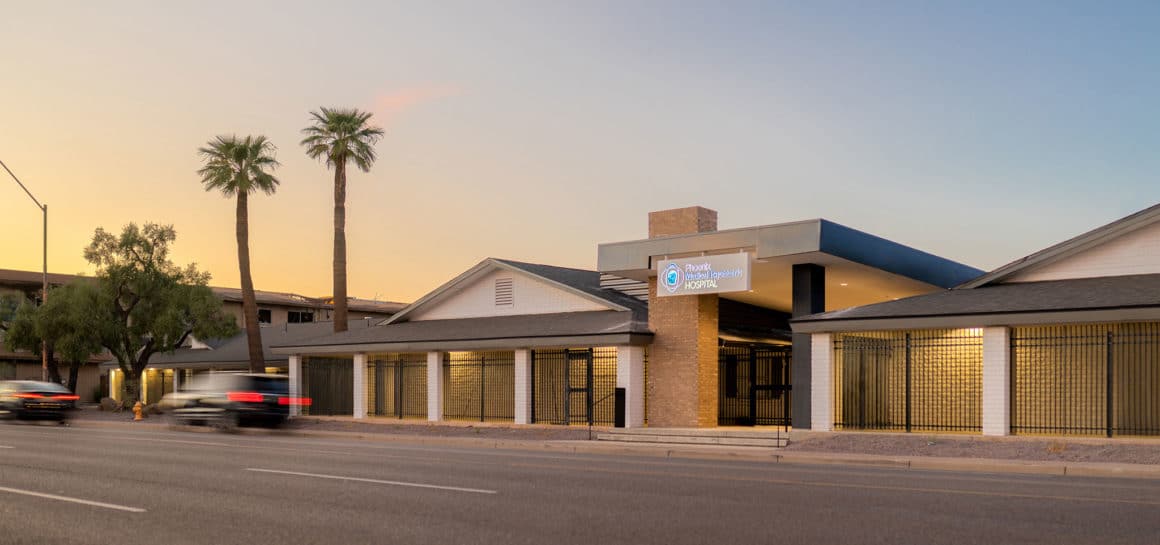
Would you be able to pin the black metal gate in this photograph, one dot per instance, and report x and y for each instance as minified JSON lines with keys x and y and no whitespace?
{"x":925,"y":380}
{"x":479,"y":386}
{"x":1089,"y":379}
{"x":754,"y":385}
{"x":398,"y":385}
{"x":574,"y":386}
{"x":329,"y":383}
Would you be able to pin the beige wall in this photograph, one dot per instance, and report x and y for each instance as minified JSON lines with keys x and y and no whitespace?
{"x":1137,"y":252}
{"x":530,"y":296}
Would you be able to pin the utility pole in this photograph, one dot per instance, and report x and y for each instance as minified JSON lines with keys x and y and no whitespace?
{"x":44,"y":278}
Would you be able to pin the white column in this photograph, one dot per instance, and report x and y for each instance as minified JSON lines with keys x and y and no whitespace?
{"x":295,"y":365}
{"x":177,"y":379}
{"x":434,"y":386}
{"x":360,"y":385}
{"x":822,"y":381}
{"x":630,"y":376}
{"x":523,"y":366}
{"x":996,"y":381}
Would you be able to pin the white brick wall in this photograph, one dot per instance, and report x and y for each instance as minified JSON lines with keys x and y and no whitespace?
{"x":523,"y":368}
{"x":821,"y":381}
{"x":1137,"y":252}
{"x":532,"y":296}
{"x":630,"y":376}
{"x":996,"y":381}
{"x":360,"y":385}
{"x":434,"y":386}
{"x":295,"y":365}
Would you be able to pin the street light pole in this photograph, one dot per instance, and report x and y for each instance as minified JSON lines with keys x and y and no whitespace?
{"x":44,"y":278}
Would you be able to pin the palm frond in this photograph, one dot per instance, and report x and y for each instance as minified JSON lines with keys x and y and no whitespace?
{"x":238,"y":165}
{"x":342,"y":135}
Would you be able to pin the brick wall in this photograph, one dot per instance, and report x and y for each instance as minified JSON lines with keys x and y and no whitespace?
{"x":681,"y":221}
{"x":682,"y":379}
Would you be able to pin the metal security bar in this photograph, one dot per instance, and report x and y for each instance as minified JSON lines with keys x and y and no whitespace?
{"x":646,"y":385}
{"x":754,"y":385}
{"x":397,"y":385}
{"x":329,"y":383}
{"x":574,"y":386}
{"x":1092,"y":379}
{"x":929,"y":380}
{"x":479,"y":386}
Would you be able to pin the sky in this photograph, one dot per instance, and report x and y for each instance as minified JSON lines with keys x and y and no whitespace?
{"x":977,"y":131}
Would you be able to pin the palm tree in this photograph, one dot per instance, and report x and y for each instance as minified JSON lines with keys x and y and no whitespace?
{"x":341,"y":136}
{"x":237,"y":167}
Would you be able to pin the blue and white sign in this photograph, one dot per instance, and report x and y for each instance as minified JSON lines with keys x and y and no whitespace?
{"x":708,"y":274}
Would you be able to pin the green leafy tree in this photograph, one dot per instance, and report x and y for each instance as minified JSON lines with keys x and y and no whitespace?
{"x":341,"y":136}
{"x":144,"y":304}
{"x":237,"y":167}
{"x":65,"y":324}
{"x":18,"y":319}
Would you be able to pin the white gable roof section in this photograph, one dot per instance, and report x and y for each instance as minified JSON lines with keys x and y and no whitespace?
{"x":473,"y":295}
{"x":1128,"y":246}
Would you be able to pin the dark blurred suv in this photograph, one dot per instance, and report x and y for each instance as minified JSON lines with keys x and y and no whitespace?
{"x":35,"y":400}
{"x":230,"y":400}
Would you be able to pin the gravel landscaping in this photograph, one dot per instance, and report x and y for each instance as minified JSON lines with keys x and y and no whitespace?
{"x":1055,"y":449}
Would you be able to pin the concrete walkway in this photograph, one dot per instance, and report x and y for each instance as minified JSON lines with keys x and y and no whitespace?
{"x":717,"y":452}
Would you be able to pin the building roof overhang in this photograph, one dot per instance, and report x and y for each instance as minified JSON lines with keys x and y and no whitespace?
{"x":861,"y":268}
{"x":592,"y":328}
{"x":1101,"y":299}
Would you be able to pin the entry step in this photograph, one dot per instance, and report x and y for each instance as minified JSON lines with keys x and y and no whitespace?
{"x":695,"y":436}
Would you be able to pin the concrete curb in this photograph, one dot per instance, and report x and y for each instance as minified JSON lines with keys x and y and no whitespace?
{"x":707,"y":452}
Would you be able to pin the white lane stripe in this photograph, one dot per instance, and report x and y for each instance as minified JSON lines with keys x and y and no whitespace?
{"x":72,"y":500}
{"x":375,"y":481}
{"x":2,"y":446}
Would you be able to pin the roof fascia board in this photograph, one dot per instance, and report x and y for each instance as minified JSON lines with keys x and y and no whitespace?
{"x":979,"y":320}
{"x":768,"y":241}
{"x":1069,"y":247}
{"x":635,"y":339}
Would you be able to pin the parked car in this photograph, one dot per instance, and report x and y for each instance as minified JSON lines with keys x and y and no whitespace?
{"x":230,"y":400}
{"x":35,"y":400}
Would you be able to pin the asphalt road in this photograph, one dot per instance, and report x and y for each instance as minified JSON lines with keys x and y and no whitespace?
{"x":86,"y":486}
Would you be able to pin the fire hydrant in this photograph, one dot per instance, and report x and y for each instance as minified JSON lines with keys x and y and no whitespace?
{"x":137,"y":412}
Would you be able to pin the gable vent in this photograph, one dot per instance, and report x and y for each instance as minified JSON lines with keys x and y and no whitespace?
{"x":505,"y":295}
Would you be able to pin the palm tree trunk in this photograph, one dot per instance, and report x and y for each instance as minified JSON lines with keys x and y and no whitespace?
{"x":249,"y":302}
{"x":340,"y":245}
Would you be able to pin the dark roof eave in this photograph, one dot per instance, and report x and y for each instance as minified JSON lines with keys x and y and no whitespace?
{"x":622,"y":337}
{"x":979,"y":319}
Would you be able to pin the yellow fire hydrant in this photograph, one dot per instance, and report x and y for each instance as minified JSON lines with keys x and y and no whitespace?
{"x":137,"y":412}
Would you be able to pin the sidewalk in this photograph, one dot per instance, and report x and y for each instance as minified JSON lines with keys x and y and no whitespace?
{"x":573,"y":441}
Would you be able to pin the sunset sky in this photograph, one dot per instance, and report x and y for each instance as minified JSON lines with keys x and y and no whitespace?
{"x":536,"y":130}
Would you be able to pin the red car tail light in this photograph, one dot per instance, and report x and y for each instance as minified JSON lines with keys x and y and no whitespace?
{"x":28,"y":396}
{"x":66,"y":397}
{"x":299,"y":401}
{"x":245,"y":397}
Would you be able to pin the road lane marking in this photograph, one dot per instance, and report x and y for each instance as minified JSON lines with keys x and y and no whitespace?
{"x":3,"y":446}
{"x":72,"y":500}
{"x":375,"y":481}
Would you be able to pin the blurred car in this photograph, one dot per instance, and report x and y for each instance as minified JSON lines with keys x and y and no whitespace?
{"x":35,"y":400}
{"x":230,"y":400}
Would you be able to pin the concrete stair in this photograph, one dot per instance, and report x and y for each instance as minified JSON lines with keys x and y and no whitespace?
{"x":698,"y":436}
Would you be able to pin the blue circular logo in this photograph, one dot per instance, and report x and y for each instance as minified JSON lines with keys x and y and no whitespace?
{"x":671,"y":278}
